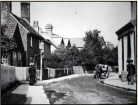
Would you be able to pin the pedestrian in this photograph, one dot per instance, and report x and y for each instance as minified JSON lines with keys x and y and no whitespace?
{"x":100,"y":71}
{"x":32,"y":73}
{"x":131,"y":72}
{"x":97,"y":72}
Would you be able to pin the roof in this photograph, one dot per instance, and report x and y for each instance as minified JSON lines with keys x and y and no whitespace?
{"x":125,"y":28}
{"x":27,"y":26}
{"x":66,"y":40}
{"x":50,"y":42}
{"x":55,"y":35}
{"x":11,"y":29}
{"x":77,"y":41}
{"x":57,"y":40}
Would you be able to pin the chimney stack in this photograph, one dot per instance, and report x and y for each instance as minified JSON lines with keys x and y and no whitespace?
{"x":6,"y":9}
{"x":25,"y":10}
{"x":36,"y":26}
{"x":49,"y":29}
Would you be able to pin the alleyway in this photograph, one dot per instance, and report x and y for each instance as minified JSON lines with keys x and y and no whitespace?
{"x":86,"y":90}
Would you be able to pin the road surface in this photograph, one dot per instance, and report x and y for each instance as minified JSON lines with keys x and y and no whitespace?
{"x":87,"y":90}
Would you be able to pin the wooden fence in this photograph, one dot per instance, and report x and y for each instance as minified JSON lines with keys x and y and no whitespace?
{"x":49,"y":73}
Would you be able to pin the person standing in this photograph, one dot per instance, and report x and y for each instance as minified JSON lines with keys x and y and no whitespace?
{"x":32,"y":74}
{"x":100,"y":71}
{"x":131,"y":72}
{"x":97,"y":72}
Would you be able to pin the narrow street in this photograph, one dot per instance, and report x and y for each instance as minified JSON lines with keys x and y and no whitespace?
{"x":78,"y":90}
{"x":87,"y":90}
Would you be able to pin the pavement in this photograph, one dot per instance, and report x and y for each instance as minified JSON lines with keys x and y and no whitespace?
{"x":114,"y":80}
{"x":61,"y":78}
{"x":25,"y":94}
{"x":38,"y":95}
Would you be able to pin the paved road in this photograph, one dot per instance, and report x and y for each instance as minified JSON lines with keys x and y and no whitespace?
{"x":86,"y":90}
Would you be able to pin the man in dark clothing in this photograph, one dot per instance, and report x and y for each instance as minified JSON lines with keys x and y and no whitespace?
{"x":32,"y":73}
{"x":131,"y":71}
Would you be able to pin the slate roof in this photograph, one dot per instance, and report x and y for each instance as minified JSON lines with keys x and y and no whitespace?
{"x":26,"y":25}
{"x":56,"y":40}
{"x":77,"y":41}
{"x":66,"y":40}
{"x":11,"y":27}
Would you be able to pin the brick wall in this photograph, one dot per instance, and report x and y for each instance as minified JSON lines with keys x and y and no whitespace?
{"x":25,"y":10}
{"x":5,"y":11}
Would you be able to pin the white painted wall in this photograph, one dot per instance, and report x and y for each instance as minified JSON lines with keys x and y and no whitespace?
{"x":120,"y":56}
{"x":52,"y":48}
{"x":125,"y":52}
{"x":22,"y":73}
{"x":9,"y":74}
{"x":46,"y":35}
{"x":132,"y":46}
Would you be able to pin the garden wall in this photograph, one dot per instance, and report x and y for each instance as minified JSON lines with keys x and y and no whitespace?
{"x":10,"y":74}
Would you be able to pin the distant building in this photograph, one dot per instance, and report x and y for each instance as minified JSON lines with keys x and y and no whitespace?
{"x":78,"y":42}
{"x":127,"y":39}
{"x":55,"y":39}
{"x":67,"y":42}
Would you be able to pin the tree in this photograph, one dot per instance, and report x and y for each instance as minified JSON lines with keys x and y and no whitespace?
{"x":76,"y":57}
{"x":92,"y":48}
{"x":110,"y":56}
{"x":7,"y":44}
{"x":65,"y":57}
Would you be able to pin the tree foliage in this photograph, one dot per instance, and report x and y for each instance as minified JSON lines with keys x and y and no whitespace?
{"x":93,"y":47}
{"x":7,"y":44}
{"x":65,"y":57}
{"x":94,"y":52}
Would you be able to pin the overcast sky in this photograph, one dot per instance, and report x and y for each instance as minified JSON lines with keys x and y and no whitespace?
{"x":73,"y":19}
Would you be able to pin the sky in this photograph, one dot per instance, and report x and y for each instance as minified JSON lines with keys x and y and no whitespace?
{"x":73,"y":19}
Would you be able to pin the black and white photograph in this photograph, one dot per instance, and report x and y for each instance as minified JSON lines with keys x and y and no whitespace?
{"x":68,"y":52}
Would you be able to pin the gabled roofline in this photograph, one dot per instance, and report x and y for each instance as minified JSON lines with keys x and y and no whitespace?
{"x":56,"y":37}
{"x":19,"y":22}
{"x":26,"y":20}
{"x":63,"y":41}
{"x":124,"y":28}
{"x":53,"y":44}
{"x":36,"y":33}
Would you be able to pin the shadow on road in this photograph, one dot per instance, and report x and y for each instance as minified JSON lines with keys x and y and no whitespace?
{"x":54,"y":96}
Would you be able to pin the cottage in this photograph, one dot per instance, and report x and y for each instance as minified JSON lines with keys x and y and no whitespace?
{"x":31,"y":46}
